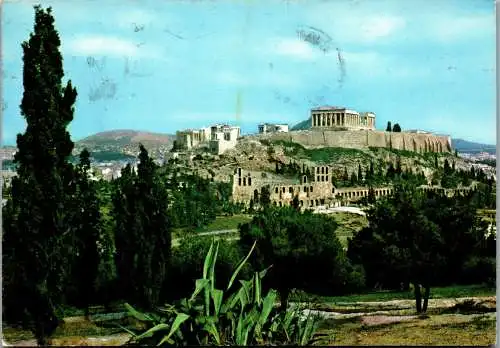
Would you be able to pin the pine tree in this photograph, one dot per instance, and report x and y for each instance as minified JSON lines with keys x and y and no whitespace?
{"x":37,"y":241}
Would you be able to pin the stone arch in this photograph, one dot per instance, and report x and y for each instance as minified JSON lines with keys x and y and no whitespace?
{"x":256,"y":195}
{"x":290,"y":189}
{"x":304,"y":179}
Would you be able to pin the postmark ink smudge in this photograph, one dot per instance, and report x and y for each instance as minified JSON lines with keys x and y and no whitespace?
{"x":106,"y":90}
{"x":315,"y":37}
{"x":342,"y":66}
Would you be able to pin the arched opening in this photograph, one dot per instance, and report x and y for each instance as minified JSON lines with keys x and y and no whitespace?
{"x":281,"y":204}
{"x":290,"y":189}
{"x":316,"y":202}
{"x":244,"y":181}
{"x":239,"y":171}
{"x":304,"y":179}
{"x":256,"y":196}
{"x":276,"y":190}
{"x":301,"y":203}
{"x":249,"y":181}
{"x":239,"y":181}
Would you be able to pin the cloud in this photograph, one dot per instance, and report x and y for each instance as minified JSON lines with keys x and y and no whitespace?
{"x":291,"y":48}
{"x":377,"y":27}
{"x":460,"y":28}
{"x":97,"y":45}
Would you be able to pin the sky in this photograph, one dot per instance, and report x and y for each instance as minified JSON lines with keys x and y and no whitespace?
{"x":163,"y":66}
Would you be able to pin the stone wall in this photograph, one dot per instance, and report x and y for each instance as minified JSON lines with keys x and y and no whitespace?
{"x":365,"y":138}
{"x":248,"y":186}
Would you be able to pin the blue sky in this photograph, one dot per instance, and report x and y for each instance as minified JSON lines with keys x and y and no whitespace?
{"x":166,"y":65}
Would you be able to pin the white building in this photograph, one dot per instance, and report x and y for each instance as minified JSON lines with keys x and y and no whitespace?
{"x":223,"y":137}
{"x":272,"y":128}
{"x":189,"y":138}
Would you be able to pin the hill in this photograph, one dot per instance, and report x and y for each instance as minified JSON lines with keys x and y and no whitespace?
{"x":470,"y":147}
{"x":126,"y":141}
{"x":459,"y":144}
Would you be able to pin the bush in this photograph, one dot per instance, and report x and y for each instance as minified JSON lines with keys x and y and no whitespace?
{"x":233,"y":316}
{"x":187,"y":263}
{"x":478,"y":270}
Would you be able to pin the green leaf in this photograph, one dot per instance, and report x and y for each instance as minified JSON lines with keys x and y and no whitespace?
{"x":151,"y":331}
{"x":240,"y":266}
{"x":212,"y":329}
{"x":200,"y":285}
{"x":136,"y":314}
{"x":208,"y":261}
{"x":211,"y":274}
{"x":257,"y":289}
{"x":179,"y":319}
{"x":217,"y":296}
{"x":267,"y":306}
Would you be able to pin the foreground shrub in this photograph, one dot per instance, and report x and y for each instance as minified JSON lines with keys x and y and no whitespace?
{"x":187,"y":264}
{"x":213,"y":316}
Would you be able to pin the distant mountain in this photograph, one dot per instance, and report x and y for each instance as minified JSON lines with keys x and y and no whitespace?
{"x":470,"y":147}
{"x":125,"y":141}
{"x":304,"y":125}
{"x":459,"y":144}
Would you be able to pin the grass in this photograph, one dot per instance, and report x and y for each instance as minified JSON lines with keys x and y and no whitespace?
{"x":456,"y":330}
{"x":219,"y":224}
{"x":225,"y":223}
{"x":436,"y":293}
{"x":348,"y":224}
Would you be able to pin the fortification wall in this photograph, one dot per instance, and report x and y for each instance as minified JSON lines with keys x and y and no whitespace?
{"x":360,"y":139}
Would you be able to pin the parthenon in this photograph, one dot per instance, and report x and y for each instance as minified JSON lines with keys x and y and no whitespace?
{"x":332,"y":117}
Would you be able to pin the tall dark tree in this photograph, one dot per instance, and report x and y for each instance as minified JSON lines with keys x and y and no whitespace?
{"x":360,"y":173}
{"x":389,"y":127}
{"x":36,"y":236}
{"x":87,"y":225}
{"x":143,"y":239}
{"x":265,"y":196}
{"x":396,"y":128}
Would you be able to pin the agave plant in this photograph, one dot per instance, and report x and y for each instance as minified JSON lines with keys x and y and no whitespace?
{"x":213,"y":316}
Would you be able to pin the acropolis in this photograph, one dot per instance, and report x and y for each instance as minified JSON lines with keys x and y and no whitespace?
{"x":341,"y":117}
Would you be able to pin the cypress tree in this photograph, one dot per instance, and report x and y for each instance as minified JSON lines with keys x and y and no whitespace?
{"x":36,"y":241}
{"x":360,"y":173}
{"x":87,"y":233}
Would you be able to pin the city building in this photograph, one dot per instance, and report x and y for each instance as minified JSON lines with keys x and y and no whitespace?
{"x":272,"y":128}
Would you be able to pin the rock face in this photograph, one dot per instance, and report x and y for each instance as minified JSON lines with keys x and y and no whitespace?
{"x":362,"y":139}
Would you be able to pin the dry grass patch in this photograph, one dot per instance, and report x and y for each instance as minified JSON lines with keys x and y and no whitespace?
{"x":436,"y":330}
